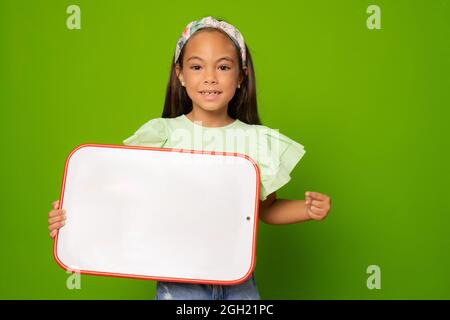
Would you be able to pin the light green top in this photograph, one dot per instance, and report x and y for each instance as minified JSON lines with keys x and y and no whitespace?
{"x":275,"y":154}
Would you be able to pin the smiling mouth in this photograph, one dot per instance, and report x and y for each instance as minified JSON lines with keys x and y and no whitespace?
{"x":208,"y":93}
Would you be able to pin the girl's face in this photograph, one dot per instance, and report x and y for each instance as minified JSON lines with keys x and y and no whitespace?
{"x":210,"y":64}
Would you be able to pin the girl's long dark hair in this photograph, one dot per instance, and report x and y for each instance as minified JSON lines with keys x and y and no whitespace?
{"x":242,"y":106}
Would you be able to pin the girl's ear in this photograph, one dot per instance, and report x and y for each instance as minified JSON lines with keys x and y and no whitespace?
{"x":241,"y":76}
{"x":179,"y":73}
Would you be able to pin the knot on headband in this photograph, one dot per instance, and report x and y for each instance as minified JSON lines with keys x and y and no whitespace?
{"x":229,"y":29}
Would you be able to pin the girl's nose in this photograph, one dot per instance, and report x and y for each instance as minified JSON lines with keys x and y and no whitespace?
{"x":210,"y":77}
{"x":212,"y":80}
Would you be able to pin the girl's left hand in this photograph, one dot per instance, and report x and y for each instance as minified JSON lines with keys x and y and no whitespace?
{"x":317,"y":205}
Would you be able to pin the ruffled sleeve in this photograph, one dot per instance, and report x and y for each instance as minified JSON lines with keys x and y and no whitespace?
{"x":277,"y":157}
{"x":154,"y":133}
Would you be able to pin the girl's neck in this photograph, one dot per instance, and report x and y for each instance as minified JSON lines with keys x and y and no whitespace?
{"x":210,"y":119}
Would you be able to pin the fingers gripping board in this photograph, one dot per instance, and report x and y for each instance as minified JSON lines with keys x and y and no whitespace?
{"x":159,"y":213}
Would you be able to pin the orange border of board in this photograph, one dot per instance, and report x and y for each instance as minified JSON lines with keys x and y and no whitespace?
{"x":123,"y":275}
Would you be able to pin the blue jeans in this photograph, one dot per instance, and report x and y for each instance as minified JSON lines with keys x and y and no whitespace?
{"x":246,"y":290}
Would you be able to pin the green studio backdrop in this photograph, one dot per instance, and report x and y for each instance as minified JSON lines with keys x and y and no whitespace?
{"x":371,"y":107}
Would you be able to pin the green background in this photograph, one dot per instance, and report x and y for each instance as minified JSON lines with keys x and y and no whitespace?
{"x":371,"y":108}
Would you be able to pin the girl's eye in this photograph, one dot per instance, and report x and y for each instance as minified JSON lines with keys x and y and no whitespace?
{"x":223,"y":67}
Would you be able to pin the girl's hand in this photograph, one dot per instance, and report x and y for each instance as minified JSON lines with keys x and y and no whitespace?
{"x":317,"y":205}
{"x":56,"y":218}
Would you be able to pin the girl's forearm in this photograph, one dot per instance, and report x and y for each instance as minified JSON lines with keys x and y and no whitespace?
{"x":283,"y":211}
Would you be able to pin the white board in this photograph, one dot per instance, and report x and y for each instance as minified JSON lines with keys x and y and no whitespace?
{"x":159,"y":213}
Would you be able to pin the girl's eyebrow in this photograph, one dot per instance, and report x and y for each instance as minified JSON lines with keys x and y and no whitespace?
{"x":223,"y":58}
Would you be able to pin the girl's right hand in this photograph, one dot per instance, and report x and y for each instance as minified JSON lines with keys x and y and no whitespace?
{"x":56,"y":218}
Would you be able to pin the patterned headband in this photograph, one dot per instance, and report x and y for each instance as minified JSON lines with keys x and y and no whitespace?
{"x":230,"y":30}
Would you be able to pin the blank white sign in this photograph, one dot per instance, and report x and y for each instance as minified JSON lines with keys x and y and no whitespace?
{"x":157,"y":213}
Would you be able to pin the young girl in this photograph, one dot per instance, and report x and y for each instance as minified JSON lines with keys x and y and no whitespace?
{"x":211,"y":96}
